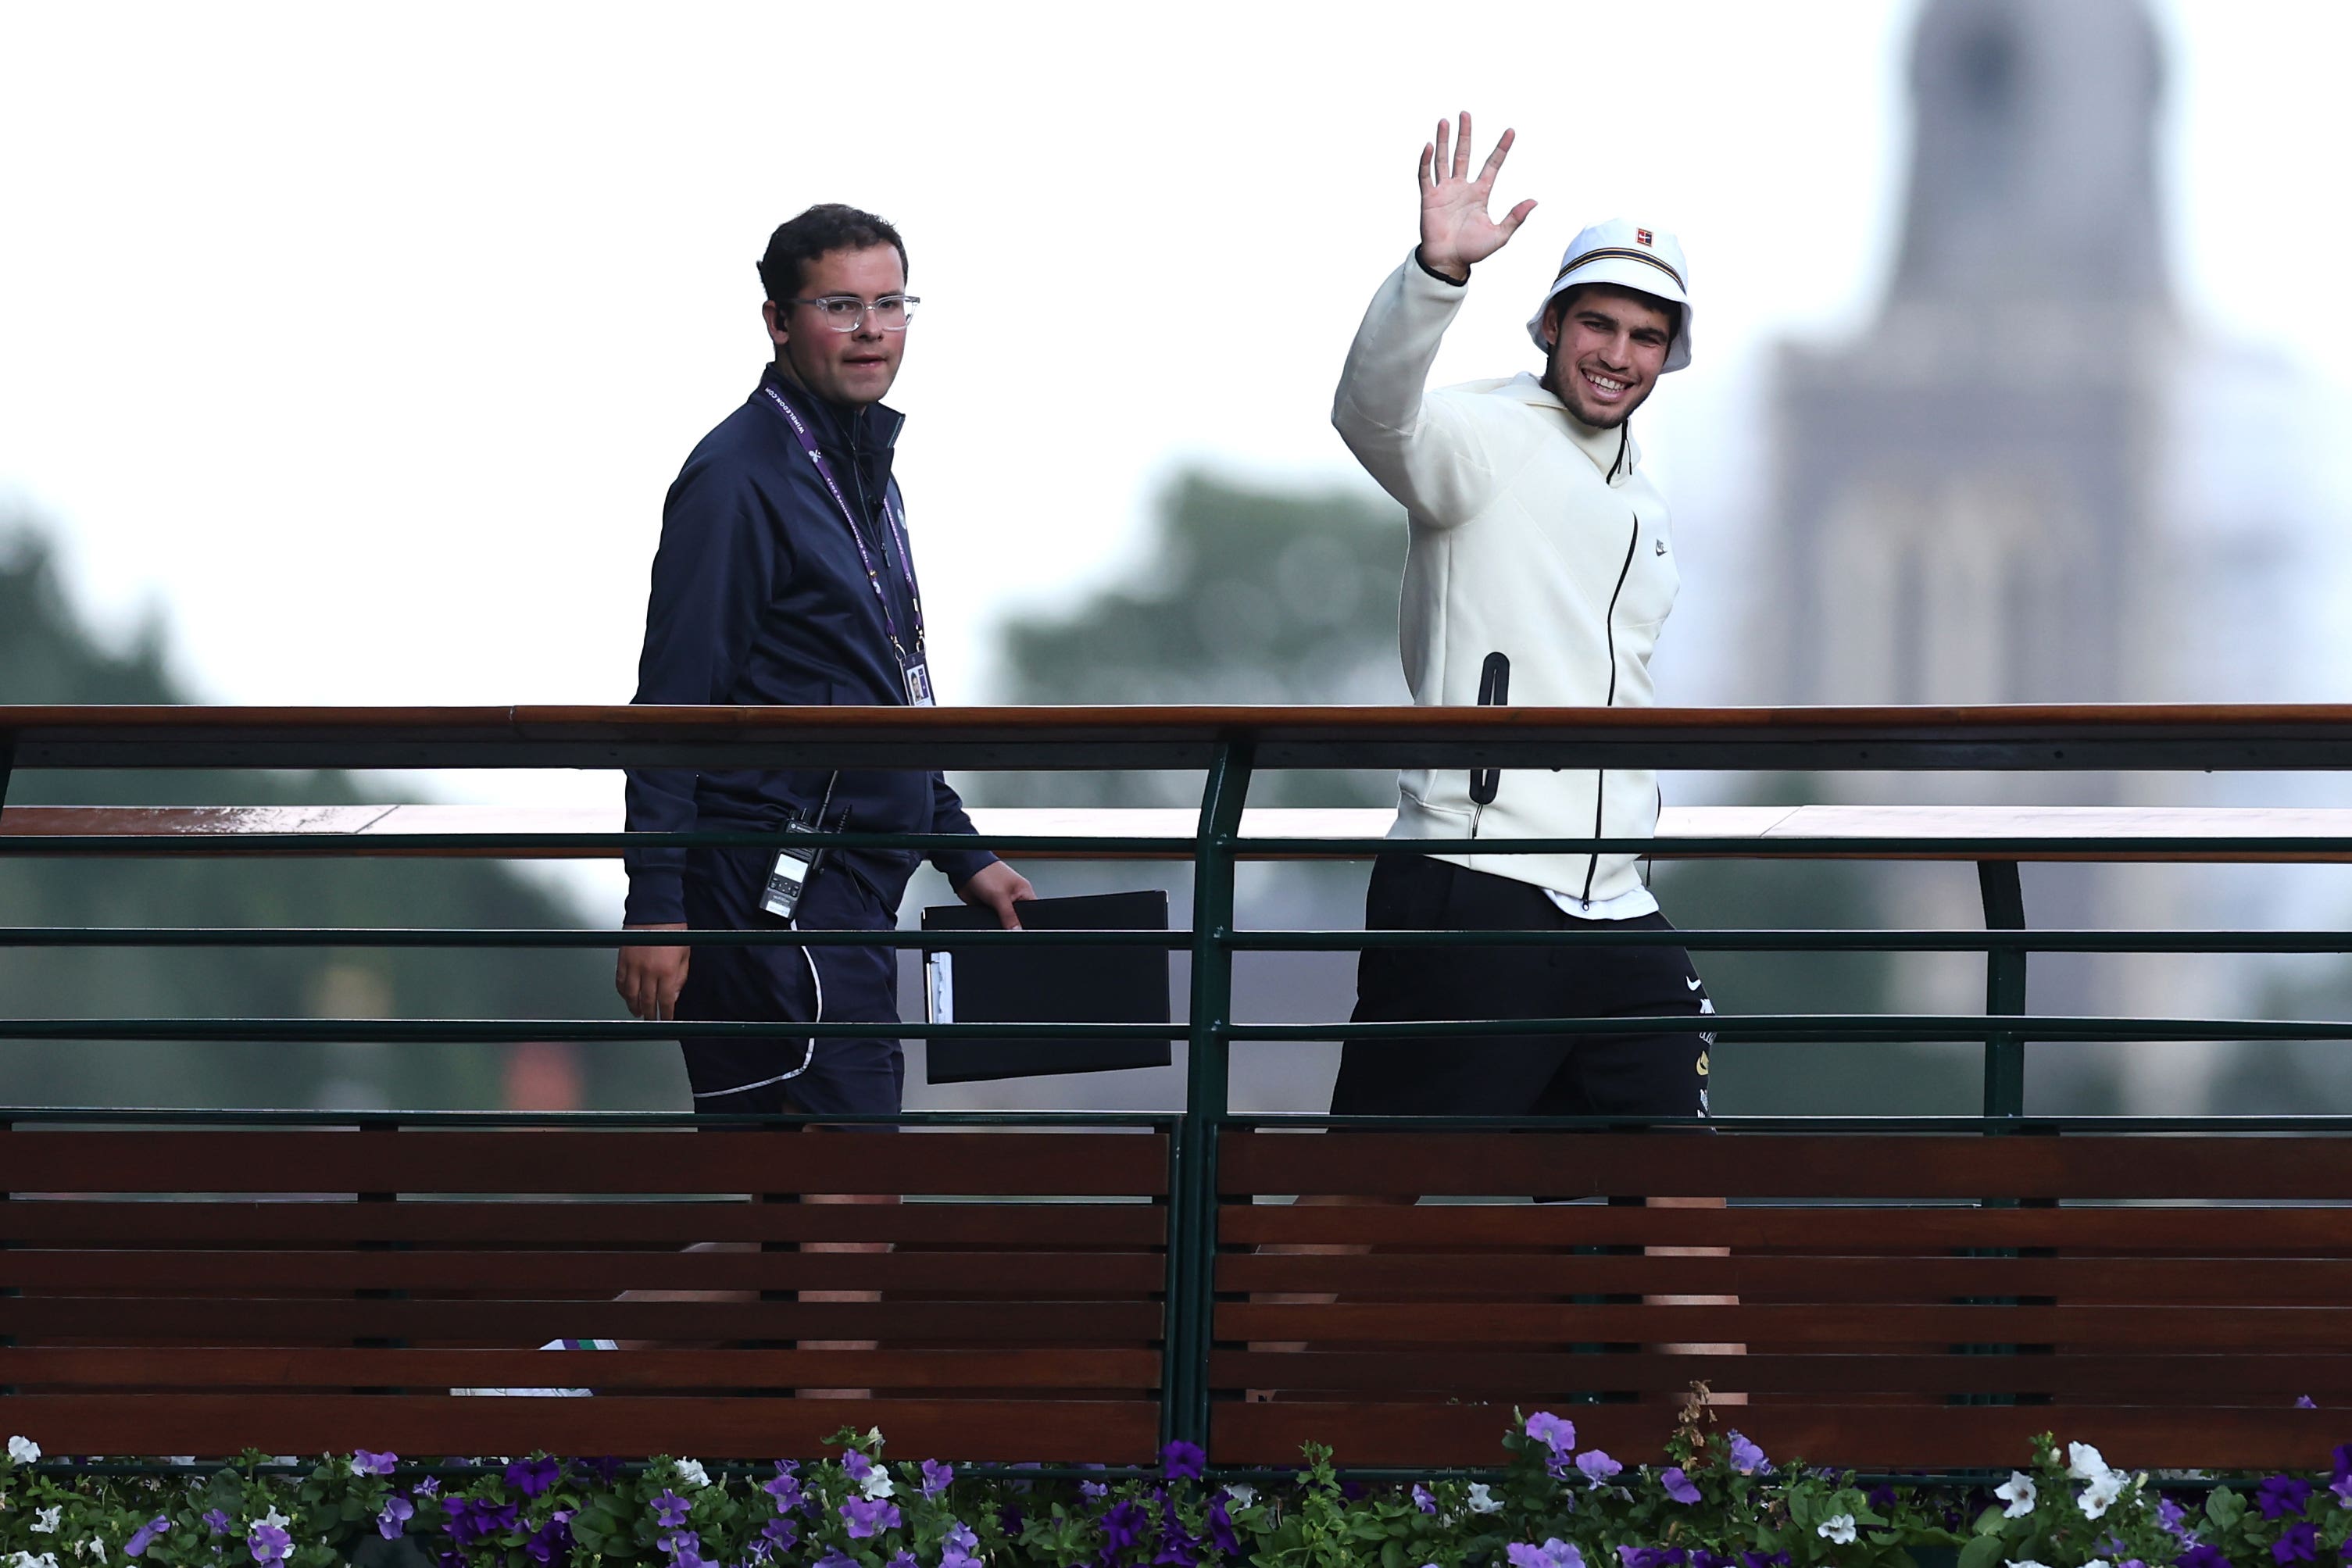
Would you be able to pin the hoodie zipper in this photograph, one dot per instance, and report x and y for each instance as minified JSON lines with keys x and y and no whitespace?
{"x":1601,"y":774}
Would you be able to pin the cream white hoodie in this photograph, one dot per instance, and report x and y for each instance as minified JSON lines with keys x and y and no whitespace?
{"x":1533,"y":535}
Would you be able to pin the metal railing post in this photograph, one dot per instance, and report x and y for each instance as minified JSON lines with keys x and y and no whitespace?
{"x":1192,"y":1220}
{"x":2004,"y":1060}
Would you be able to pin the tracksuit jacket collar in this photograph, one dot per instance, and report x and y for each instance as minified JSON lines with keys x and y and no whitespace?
{"x":1613,"y":452}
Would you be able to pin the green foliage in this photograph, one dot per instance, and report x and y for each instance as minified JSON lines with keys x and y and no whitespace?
{"x":48,"y":655}
{"x":1248,"y":596}
{"x":1717,"y":1504}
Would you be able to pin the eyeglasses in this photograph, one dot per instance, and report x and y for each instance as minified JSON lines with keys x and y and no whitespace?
{"x":847,"y":312}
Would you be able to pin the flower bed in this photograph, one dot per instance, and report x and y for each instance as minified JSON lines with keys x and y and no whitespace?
{"x":1719,"y":1504}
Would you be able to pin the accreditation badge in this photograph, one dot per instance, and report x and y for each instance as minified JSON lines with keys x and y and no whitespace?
{"x":918,"y":685}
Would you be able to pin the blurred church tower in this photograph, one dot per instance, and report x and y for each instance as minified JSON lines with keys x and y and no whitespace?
{"x":1964,"y":506}
{"x":1972,"y":499}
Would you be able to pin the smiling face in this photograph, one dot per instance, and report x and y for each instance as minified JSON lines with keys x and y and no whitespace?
{"x":855,"y":367}
{"x":1609,"y":348}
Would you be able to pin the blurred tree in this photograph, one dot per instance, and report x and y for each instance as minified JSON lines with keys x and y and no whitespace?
{"x":48,"y":655}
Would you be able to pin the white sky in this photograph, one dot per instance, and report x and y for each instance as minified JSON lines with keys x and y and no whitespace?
{"x":363,"y":342}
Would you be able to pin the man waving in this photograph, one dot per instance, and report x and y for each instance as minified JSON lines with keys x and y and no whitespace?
{"x":1539,"y":571}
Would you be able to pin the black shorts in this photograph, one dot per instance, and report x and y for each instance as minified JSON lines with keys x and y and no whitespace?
{"x":1520,"y":1074}
{"x":768,"y":1075}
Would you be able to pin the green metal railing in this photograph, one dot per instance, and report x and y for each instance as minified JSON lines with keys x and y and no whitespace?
{"x":1232,"y":745}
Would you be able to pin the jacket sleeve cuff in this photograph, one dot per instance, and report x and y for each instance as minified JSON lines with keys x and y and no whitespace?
{"x":655,"y":898}
{"x":960,"y":866}
{"x":1430,"y":271}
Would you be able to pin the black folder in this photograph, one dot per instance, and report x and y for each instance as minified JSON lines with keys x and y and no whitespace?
{"x":1017,"y":983}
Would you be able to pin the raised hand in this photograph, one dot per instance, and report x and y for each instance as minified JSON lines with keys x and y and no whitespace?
{"x":1455,"y":232}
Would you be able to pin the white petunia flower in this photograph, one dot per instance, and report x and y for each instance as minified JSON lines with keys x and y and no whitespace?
{"x":2083,"y":1463}
{"x":45,"y":1521}
{"x":274,"y":1517}
{"x":2101,"y":1494}
{"x":25,"y":1451}
{"x":92,"y":1548}
{"x":1482,"y":1500}
{"x":874,"y":1437}
{"x":1243,"y":1494}
{"x":877,"y":1485}
{"x":691,"y":1473}
{"x":2096,"y":1563}
{"x":1837,"y":1528}
{"x":2030,"y":1562}
{"x":2017,"y":1492}
{"x":26,"y":1560}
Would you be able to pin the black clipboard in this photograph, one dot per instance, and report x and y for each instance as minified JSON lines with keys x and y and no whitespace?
{"x":1057,"y":984}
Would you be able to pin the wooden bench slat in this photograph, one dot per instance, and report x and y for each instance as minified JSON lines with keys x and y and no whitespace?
{"x":1458,"y":1277}
{"x":668,"y":1222}
{"x":1070,"y":1431}
{"x":533,"y":1161}
{"x":99,"y":1319}
{"x":1763,"y":1165}
{"x":162,"y":1272}
{"x":2189,"y":1328}
{"x":2163,"y":1379}
{"x":339,"y":1368}
{"x":2206,"y":1231}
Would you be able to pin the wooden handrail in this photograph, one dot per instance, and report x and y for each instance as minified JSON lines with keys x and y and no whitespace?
{"x":1819,"y":738}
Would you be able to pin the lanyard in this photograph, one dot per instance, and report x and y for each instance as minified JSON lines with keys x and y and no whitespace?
{"x":889,"y":516}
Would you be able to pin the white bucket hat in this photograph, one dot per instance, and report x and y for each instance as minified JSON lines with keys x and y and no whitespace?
{"x":1647,"y":260}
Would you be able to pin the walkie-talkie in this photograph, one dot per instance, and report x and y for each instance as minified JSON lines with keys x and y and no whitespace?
{"x":1494,"y":691}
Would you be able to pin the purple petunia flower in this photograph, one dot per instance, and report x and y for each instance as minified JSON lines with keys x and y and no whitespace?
{"x":2202,"y":1556}
{"x":552,"y":1540}
{"x":217,"y":1521}
{"x":394,"y":1520}
{"x":685,"y":1549}
{"x":1596,"y":1467}
{"x":903,"y":1560}
{"x":1746,"y":1458}
{"x":2281,"y":1495}
{"x":532,"y":1476}
{"x":606,"y":1469}
{"x":1123,"y":1526}
{"x":1763,"y":1560}
{"x":269,"y":1544}
{"x":868,"y":1517}
{"x":1552,"y":1554}
{"x":2299,"y":1544}
{"x":785,"y":1487}
{"x":956,"y":1551}
{"x":427,"y":1487}
{"x":1220,"y":1530}
{"x":1182,"y":1461}
{"x":1178,"y":1547}
{"x":1010,"y":1521}
{"x":671,"y":1509}
{"x":1678,"y":1485}
{"x":371,"y":1464}
{"x":1422,"y":1499}
{"x":857,"y":1464}
{"x":936,"y":1477}
{"x":2172,"y":1517}
{"x":1651,"y":1556}
{"x":1093,"y":1489}
{"x":835,"y":1558}
{"x":144,"y":1536}
{"x":781,"y":1534}
{"x":1554,"y":1432}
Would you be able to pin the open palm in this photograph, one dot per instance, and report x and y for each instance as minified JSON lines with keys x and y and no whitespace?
{"x":1455,"y":232}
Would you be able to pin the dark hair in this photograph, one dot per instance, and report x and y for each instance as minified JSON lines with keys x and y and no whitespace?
{"x":828,"y":226}
{"x":1556,"y":311}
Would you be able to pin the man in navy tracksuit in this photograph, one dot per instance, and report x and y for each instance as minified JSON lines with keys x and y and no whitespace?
{"x":783,"y":576}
